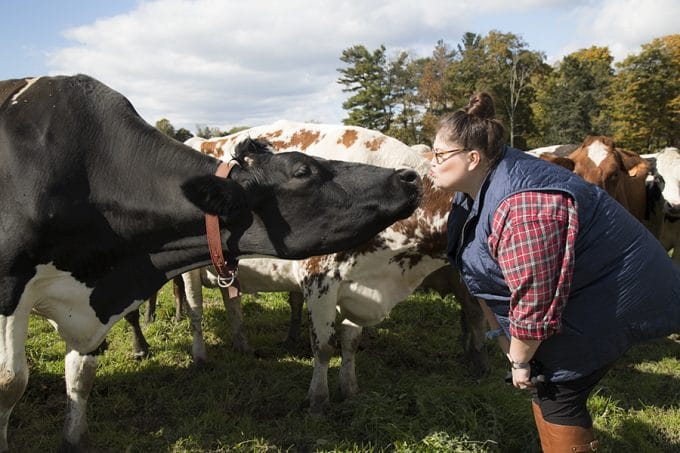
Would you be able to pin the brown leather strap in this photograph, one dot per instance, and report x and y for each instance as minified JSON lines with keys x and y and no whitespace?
{"x":586,"y":448}
{"x":226,"y":271}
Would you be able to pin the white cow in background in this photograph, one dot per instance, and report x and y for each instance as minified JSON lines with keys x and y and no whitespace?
{"x":666,"y":166}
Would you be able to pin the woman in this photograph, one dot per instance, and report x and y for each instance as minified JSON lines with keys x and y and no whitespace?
{"x":573,"y":279}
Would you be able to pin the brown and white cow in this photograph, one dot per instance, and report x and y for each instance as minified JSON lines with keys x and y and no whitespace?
{"x":620,"y":172}
{"x":362,"y":285}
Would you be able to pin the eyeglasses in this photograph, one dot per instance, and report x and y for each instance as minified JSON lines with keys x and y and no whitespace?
{"x":438,"y":154}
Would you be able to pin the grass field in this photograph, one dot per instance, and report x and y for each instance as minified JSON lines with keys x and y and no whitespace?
{"x":416,"y":395}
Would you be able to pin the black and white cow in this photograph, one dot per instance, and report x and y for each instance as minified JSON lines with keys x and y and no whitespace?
{"x":99,"y":210}
{"x":362,"y":285}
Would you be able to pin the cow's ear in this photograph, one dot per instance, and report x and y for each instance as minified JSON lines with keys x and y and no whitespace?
{"x":214,"y":195}
{"x":246,"y":151}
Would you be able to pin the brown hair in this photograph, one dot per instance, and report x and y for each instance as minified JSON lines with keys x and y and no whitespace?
{"x":474,"y":127}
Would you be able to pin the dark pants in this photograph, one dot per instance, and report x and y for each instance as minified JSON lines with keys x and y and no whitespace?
{"x":564,"y":403}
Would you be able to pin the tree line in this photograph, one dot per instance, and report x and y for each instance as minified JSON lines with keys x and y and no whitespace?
{"x":635,"y":101}
{"x":182,"y":134}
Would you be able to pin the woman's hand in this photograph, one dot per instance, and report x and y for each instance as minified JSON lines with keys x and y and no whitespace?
{"x":521,"y":352}
{"x":521,"y":378}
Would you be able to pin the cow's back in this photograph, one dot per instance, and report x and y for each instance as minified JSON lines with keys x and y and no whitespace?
{"x":329,"y":141}
{"x":9,"y":88}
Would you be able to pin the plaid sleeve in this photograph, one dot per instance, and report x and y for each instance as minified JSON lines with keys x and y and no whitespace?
{"x":532,"y":238}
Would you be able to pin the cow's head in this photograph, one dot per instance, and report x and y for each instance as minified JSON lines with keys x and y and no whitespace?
{"x":668,"y":168}
{"x":292,"y":205}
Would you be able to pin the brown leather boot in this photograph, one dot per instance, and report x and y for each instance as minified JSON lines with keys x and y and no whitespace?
{"x":562,"y":438}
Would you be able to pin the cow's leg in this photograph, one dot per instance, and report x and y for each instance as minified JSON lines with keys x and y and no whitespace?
{"x":349,"y":343}
{"x":13,"y":367}
{"x":472,"y":327}
{"x":150,"y":313}
{"x":139,"y":344}
{"x":322,"y":335}
{"x":239,"y":339}
{"x":295,"y":300}
{"x":472,"y":334}
{"x":80,"y":373}
{"x":194,"y":295}
{"x":179,"y":291}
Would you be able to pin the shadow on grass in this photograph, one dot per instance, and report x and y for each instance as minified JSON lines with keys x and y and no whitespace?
{"x":633,"y":435}
{"x":640,"y":378}
{"x":250,"y":405}
{"x":415,"y":394}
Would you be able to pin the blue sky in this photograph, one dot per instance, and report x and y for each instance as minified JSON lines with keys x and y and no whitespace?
{"x":30,"y":29}
{"x":225,"y":63}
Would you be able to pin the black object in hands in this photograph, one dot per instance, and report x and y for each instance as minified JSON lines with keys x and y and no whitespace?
{"x":534,"y":379}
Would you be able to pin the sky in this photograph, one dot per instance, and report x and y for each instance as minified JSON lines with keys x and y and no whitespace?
{"x":246,"y":63}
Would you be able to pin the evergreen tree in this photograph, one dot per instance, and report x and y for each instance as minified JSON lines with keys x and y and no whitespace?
{"x":403,"y":76}
{"x":435,"y":94}
{"x":366,"y":76}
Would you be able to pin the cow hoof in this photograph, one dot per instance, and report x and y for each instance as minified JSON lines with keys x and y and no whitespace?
{"x":288,"y":344}
{"x":479,"y":361}
{"x":319,"y":408}
{"x":295,"y":347}
{"x":200,"y":363}
{"x":141,"y":355}
{"x":81,"y":447}
{"x":349,"y":390}
{"x":148,"y":319}
{"x":243,"y":349}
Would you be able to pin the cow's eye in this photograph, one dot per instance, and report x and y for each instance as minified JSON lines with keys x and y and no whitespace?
{"x":302,"y":171}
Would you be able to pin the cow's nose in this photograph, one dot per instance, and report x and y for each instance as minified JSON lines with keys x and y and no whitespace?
{"x":407,"y":175}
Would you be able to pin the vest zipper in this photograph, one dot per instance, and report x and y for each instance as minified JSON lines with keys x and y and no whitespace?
{"x":462,"y":240}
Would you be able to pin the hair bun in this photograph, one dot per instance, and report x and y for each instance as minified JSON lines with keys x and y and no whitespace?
{"x":481,"y":105}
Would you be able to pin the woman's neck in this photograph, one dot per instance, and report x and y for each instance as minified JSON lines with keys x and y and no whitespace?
{"x":475,"y":182}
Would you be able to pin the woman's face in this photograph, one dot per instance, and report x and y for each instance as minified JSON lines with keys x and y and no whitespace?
{"x":450,"y":166}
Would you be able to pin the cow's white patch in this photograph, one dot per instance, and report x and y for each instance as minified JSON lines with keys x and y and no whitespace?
{"x":597,"y":152}
{"x":65,"y":302}
{"x":80,"y":371}
{"x":15,"y":98}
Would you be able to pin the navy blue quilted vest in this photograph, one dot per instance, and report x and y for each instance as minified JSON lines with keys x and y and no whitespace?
{"x":625,"y":288}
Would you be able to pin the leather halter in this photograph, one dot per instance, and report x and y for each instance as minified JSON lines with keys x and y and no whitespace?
{"x":226,"y":270}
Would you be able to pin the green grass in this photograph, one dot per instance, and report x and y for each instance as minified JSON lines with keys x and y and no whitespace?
{"x":416,"y":395}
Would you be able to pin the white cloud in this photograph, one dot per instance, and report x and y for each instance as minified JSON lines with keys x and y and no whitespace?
{"x":227,"y":63}
{"x":623,"y":25}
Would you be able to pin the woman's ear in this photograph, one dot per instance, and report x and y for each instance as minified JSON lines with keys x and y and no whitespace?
{"x":474,"y":159}
{"x":214,"y":195}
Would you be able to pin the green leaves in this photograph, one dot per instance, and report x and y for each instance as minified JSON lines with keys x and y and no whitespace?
{"x":646,"y":97}
{"x":582,"y":94}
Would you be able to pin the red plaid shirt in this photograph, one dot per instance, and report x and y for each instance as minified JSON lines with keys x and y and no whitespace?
{"x":532,"y":237}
